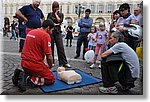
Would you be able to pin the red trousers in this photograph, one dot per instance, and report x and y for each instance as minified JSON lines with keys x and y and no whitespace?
{"x":41,"y":75}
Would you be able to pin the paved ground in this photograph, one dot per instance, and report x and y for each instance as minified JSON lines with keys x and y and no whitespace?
{"x":11,"y":61}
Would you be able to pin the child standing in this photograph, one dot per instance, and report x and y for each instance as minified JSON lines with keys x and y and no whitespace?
{"x":91,"y":38}
{"x":101,"y":36}
{"x":69,"y":35}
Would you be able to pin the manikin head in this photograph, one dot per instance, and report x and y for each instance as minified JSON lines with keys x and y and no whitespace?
{"x":60,"y":69}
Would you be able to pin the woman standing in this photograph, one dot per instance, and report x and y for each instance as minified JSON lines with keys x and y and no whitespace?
{"x":56,"y":36}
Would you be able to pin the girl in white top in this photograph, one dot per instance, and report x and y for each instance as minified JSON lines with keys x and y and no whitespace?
{"x":91,"y":38}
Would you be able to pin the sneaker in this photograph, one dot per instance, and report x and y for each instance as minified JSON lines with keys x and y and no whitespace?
{"x":92,"y":66}
{"x":53,"y":65}
{"x":15,"y":78}
{"x":23,"y":81}
{"x":88,"y":62}
{"x":118,"y":85}
{"x":67,"y":65}
{"x":112,"y":90}
{"x":99,"y":66}
{"x":128,"y":87}
{"x":83,"y":58}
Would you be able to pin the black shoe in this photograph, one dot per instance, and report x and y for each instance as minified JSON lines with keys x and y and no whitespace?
{"x":83,"y":58}
{"x":76,"y":57}
{"x":20,"y":50}
{"x":66,"y":45}
{"x":70,"y":45}
{"x":15,"y":78}
{"x":67,"y":65}
{"x":23,"y":81}
{"x":128,"y":87}
{"x":118,"y":86}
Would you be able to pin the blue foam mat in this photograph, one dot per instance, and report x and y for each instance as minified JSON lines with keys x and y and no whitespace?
{"x":60,"y":85}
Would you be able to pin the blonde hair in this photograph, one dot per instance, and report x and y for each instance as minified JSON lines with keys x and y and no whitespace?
{"x":102,"y":24}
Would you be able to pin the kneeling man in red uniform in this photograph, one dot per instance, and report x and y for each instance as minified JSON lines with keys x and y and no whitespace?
{"x":37,"y":46}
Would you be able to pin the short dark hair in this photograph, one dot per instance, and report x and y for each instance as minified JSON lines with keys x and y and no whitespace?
{"x":116,"y":11}
{"x":88,"y":10}
{"x":47,"y":23}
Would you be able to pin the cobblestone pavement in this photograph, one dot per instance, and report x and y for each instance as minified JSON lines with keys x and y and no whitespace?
{"x":11,"y":61}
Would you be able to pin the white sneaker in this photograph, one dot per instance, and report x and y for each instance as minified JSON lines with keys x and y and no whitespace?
{"x":112,"y":90}
{"x":88,"y":62}
{"x":99,"y":66}
{"x":53,"y":65}
{"x":92,"y":66}
{"x":67,"y":65}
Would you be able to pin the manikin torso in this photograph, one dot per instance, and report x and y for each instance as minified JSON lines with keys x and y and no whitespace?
{"x":70,"y":76}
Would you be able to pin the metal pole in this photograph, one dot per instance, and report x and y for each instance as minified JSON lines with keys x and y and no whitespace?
{"x":1,"y":15}
{"x":79,"y":11}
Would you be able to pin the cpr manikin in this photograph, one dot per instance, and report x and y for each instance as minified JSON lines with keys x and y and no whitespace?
{"x":70,"y":76}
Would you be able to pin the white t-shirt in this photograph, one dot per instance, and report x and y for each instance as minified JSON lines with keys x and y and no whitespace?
{"x":129,"y":55}
{"x":92,"y":37}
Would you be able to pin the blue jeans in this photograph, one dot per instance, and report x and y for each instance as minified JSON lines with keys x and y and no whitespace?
{"x":13,"y":34}
{"x":91,"y":47}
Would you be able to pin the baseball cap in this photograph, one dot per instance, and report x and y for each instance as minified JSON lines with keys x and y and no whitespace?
{"x":124,"y":6}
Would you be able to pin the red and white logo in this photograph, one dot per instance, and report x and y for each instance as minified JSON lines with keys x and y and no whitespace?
{"x":49,"y":44}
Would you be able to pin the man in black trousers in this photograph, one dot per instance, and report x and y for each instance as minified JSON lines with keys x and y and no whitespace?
{"x":85,"y":24}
